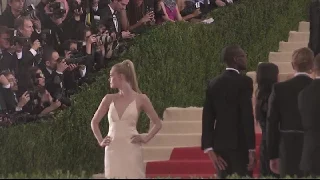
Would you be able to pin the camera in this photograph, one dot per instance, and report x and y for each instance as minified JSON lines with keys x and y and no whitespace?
{"x":57,"y":9}
{"x":16,"y":39}
{"x":30,"y":11}
{"x":80,"y":60}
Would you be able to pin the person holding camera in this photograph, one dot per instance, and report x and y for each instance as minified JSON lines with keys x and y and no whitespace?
{"x":111,"y":18}
{"x":53,"y":70}
{"x":14,"y":102}
{"x":76,"y":72}
{"x":138,"y":15}
{"x":8,"y":60}
{"x":12,"y":12}
{"x":42,"y":102}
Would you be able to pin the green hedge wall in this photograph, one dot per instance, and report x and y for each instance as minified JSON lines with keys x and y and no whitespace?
{"x":173,"y":63}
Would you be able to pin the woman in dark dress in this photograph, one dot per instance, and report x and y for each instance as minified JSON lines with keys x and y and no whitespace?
{"x":267,"y":76}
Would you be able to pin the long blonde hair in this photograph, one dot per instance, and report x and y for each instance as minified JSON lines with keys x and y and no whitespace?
{"x":126,"y":68}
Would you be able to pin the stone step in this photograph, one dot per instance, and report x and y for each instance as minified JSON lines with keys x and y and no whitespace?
{"x":291,"y":46}
{"x":182,"y":114}
{"x":284,"y":67}
{"x":175,"y":140}
{"x":280,"y":57}
{"x":157,"y":153}
{"x":304,"y":26}
{"x":181,"y":127}
{"x":281,"y":77}
{"x":295,"y":36}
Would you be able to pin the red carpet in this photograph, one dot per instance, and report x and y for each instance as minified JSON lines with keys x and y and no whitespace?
{"x":188,"y":162}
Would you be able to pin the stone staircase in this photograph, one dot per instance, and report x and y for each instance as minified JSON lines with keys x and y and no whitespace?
{"x":282,"y":58}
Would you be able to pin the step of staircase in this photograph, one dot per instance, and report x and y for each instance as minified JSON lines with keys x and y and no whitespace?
{"x":304,"y":26}
{"x":282,"y":76}
{"x":175,"y":140}
{"x":295,"y":36}
{"x":280,"y":57}
{"x":181,"y":127}
{"x":284,"y":67}
{"x":156,"y":153}
{"x":182,"y":114}
{"x":291,"y":46}
{"x":180,"y":167}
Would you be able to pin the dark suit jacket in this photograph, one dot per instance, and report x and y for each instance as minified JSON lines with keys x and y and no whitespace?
{"x":314,"y":18}
{"x":227,"y":119}
{"x":106,"y":17}
{"x":283,"y":112}
{"x":309,"y":107}
{"x":53,"y":82}
{"x":7,"y":18}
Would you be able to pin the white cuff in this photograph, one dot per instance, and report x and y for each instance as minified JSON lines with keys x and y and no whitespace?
{"x":19,"y":55}
{"x":59,"y":72}
{"x":6,"y":86}
{"x":252,"y":150}
{"x":18,"y":109}
{"x":34,"y":52}
{"x":207,"y":150}
{"x":83,"y":72}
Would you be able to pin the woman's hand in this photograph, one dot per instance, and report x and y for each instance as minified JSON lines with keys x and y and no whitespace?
{"x":138,"y":139}
{"x":106,"y":141}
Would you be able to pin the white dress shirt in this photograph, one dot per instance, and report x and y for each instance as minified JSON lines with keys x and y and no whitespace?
{"x":115,"y":20}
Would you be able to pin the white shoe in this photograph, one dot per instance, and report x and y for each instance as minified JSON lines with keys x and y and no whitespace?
{"x":208,"y":21}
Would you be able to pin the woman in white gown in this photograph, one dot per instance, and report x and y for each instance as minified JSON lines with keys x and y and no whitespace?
{"x":123,"y":151}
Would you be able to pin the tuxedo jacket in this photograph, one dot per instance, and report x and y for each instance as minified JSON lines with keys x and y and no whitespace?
{"x":283,"y":114}
{"x":309,"y":108}
{"x":227,"y":118}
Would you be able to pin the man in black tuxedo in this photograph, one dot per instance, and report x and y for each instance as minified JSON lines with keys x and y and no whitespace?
{"x":309,"y":104}
{"x":228,"y":134}
{"x":314,"y":18}
{"x":284,"y":129}
{"x":110,"y":17}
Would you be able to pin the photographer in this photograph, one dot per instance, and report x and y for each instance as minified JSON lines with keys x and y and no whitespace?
{"x":53,"y":70}
{"x":138,"y":16}
{"x":63,"y":23}
{"x":10,"y":93}
{"x":12,"y":12}
{"x":93,"y":47}
{"x":76,"y":72}
{"x":8,"y":56}
{"x":41,"y":102}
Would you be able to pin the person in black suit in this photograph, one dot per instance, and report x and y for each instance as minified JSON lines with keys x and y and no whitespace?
{"x":309,"y":104}
{"x":314,"y":18}
{"x":228,"y":134}
{"x":284,"y":129}
{"x":110,"y":17}
{"x":7,"y":60}
{"x":12,"y":12}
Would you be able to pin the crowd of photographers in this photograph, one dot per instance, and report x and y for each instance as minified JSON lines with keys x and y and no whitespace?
{"x":48,"y":50}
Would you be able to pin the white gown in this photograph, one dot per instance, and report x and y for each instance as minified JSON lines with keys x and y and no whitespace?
{"x":123,"y":159}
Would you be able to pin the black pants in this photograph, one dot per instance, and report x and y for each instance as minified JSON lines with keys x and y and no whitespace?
{"x":265,"y":161}
{"x":290,"y":155}
{"x":237,"y":161}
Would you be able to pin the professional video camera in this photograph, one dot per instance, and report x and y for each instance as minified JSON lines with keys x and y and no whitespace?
{"x":56,"y":9}
{"x":16,"y":39}
{"x":74,"y":59}
{"x":30,"y":11}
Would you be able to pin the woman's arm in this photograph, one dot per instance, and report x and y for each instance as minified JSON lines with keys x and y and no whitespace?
{"x":165,"y":17}
{"x":100,"y":113}
{"x":179,"y":17}
{"x":147,"y":107}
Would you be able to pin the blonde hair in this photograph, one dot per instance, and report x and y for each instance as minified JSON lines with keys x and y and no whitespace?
{"x":126,"y":68}
{"x":303,"y":59}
